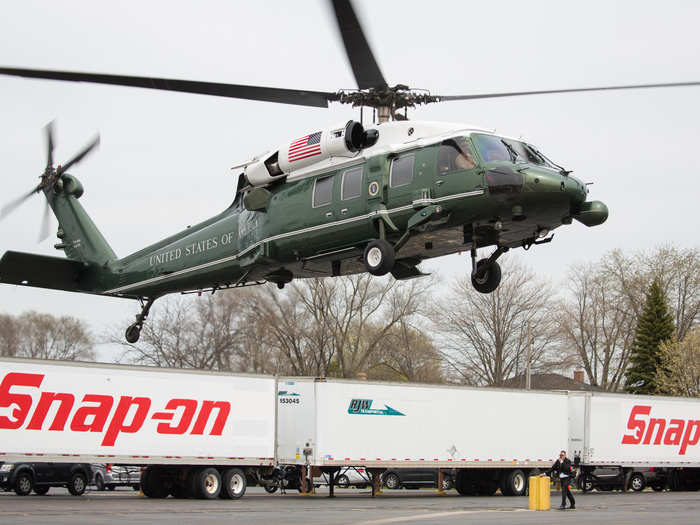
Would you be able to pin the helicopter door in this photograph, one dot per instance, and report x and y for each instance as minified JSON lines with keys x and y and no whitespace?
{"x":351,"y":203}
{"x":401,"y":180}
{"x":457,"y":170}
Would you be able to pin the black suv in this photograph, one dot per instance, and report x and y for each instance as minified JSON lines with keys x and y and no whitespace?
{"x":40,"y":477}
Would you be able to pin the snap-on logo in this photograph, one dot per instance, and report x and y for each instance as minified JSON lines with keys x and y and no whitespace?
{"x":364,"y":406}
{"x":95,"y":414}
{"x":676,"y":432}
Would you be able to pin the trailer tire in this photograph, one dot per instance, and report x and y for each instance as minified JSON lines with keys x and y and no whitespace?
{"x":637,"y":482}
{"x":464,"y":483}
{"x":152,"y":484}
{"x":233,"y":484}
{"x":513,"y":483}
{"x":206,"y":483}
{"x":487,"y":487}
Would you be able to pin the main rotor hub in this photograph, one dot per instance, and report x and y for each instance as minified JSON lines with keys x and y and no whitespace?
{"x":387,"y":100}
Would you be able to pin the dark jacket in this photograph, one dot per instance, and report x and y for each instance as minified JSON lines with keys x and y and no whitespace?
{"x":564,"y":467}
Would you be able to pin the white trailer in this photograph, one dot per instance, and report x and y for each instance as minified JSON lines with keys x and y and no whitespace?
{"x":636,"y":433}
{"x":201,"y":432}
{"x":493,"y":438}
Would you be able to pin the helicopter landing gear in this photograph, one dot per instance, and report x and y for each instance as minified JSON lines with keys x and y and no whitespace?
{"x":486,"y":274}
{"x":134,"y":331}
{"x":379,"y":257}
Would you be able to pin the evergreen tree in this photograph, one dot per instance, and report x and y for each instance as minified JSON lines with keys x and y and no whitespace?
{"x":654,"y":326}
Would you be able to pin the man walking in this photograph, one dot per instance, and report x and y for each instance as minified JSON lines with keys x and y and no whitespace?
{"x":562,"y":468}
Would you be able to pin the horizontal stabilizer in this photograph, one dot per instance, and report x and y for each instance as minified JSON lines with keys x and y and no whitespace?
{"x":28,"y":269}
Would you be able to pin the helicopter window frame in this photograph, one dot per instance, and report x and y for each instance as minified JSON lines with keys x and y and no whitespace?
{"x":352,"y":171}
{"x":314,"y":203}
{"x":460,"y":145}
{"x":405,"y":157}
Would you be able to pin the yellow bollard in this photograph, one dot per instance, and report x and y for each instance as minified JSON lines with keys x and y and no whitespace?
{"x":539,"y":493}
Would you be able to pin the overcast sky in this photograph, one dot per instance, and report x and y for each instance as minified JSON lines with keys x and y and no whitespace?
{"x":165,"y":157}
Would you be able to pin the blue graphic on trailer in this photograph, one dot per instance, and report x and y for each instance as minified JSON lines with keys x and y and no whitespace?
{"x":287,"y":393}
{"x":364,"y":406}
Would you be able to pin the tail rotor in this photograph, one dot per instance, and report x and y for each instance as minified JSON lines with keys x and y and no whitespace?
{"x":49,"y":178}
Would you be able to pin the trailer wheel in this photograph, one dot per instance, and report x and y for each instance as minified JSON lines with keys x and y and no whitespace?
{"x":23,"y":484}
{"x":465,"y":483}
{"x":487,"y":487}
{"x":206,"y":483}
{"x":233,"y":484}
{"x":513,"y":483}
{"x":637,"y":482}
{"x":152,"y":484}
{"x":392,"y":481}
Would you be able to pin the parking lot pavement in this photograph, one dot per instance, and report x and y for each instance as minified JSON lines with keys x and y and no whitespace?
{"x":422,"y":507}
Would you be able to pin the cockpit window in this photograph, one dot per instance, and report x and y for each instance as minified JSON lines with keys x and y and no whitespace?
{"x":491,"y":148}
{"x":454,"y":155}
{"x":525,"y":152}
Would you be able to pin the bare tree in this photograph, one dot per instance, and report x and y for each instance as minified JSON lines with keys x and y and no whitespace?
{"x":213,"y":332}
{"x":335,"y":326}
{"x":680,"y":371}
{"x":486,"y":335}
{"x":406,"y":353}
{"x":45,"y":336}
{"x":678,"y":273}
{"x":9,"y":338}
{"x":597,"y":325}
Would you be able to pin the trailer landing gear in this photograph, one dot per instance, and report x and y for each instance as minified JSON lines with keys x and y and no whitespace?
{"x":134,"y":331}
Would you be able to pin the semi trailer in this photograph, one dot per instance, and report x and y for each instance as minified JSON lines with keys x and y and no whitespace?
{"x":209,"y":434}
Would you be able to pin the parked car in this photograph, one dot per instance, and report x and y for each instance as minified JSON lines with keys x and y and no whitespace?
{"x":351,"y":477}
{"x":108,"y":477}
{"x":613,"y":478}
{"x":417,"y":477}
{"x":40,"y":477}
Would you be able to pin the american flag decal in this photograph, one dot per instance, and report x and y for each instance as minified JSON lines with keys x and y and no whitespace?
{"x":305,"y":147}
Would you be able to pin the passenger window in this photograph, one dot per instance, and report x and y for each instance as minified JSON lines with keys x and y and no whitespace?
{"x":352,"y":184}
{"x":323,"y":191}
{"x":454,"y":155}
{"x":401,"y":171}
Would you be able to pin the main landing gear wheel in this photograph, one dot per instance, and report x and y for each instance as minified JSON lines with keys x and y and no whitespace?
{"x":379,"y":257}
{"x":487,"y":276}
{"x":133,"y":333}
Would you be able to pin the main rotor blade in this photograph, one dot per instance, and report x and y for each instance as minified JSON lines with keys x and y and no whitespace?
{"x":44,"y":231}
{"x":364,"y":66}
{"x":77,"y":158}
{"x":49,"y":144}
{"x":552,"y":91}
{"x":13,"y":205}
{"x":283,"y":96}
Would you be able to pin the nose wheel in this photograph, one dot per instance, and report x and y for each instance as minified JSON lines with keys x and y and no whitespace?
{"x":486,"y":274}
{"x":133,"y":333}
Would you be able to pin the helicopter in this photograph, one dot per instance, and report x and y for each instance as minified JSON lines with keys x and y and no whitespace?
{"x":329,"y":202}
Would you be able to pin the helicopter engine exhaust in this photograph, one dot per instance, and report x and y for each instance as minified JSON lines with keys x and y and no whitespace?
{"x":345,"y":140}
